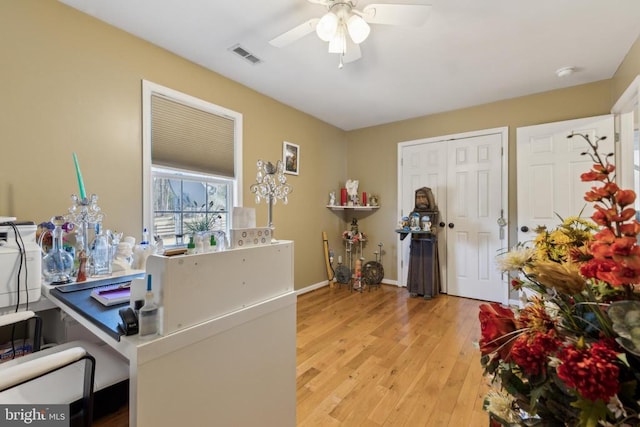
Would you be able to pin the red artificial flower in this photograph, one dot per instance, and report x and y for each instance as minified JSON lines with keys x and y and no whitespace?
{"x":595,"y":195}
{"x":604,"y":236}
{"x":625,"y":215}
{"x":626,"y":251}
{"x":620,"y":275}
{"x":516,"y":284}
{"x":610,"y":188}
{"x":602,"y":216}
{"x":593,"y":176}
{"x":594,"y":267}
{"x":530,"y":351}
{"x":630,"y":229}
{"x":600,"y":250}
{"x":591,"y":371}
{"x":625,"y":197}
{"x":496,"y":324}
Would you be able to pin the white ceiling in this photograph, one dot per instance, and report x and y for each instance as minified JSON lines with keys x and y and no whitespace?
{"x":469,"y":52}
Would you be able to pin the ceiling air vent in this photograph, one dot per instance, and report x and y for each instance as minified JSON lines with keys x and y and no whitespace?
{"x":242,"y":52}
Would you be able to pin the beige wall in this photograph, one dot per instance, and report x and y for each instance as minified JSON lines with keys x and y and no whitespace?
{"x":71,"y":83}
{"x":627,"y":71}
{"x":372,"y":152}
{"x":380,"y":144}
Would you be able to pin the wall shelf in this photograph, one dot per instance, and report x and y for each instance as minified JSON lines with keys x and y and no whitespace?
{"x":352,"y":208}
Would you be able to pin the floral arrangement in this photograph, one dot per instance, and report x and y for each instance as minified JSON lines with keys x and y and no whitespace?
{"x":354,"y":236}
{"x":568,"y":356}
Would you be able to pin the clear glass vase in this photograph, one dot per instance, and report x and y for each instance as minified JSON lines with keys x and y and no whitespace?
{"x":57,"y":264}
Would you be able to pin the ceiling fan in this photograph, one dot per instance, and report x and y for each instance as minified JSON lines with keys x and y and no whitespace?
{"x":345,"y":27}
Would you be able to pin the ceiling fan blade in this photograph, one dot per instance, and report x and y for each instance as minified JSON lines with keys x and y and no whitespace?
{"x":353,"y":53}
{"x":396,"y":14}
{"x":295,"y":33}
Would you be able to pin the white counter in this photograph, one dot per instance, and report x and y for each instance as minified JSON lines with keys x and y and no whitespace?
{"x":228,"y":353}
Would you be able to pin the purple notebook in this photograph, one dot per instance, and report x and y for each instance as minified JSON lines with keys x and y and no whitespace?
{"x":112,"y":295}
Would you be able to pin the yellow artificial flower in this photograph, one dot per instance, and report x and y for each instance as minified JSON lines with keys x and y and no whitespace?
{"x":563,"y":277}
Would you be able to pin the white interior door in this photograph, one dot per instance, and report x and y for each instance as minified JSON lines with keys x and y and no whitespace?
{"x":474,"y":200}
{"x":467,"y":173}
{"x":424,"y":165}
{"x":549,"y":166}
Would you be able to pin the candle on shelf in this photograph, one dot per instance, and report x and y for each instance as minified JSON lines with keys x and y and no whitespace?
{"x":343,"y":197}
{"x":83,"y":194}
{"x":364,"y":199}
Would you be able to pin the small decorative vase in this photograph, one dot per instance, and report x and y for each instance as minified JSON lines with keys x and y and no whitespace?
{"x":57,"y":263}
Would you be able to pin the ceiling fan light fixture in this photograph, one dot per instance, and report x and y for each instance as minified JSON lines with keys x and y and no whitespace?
{"x":358,"y":29}
{"x":327,"y":26}
{"x":338,"y":44}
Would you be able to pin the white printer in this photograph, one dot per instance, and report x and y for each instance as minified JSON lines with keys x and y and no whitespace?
{"x":30,"y":270}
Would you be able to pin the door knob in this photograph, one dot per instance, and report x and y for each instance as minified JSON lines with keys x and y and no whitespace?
{"x":441,"y":224}
{"x":450,"y":225}
{"x":524,"y":228}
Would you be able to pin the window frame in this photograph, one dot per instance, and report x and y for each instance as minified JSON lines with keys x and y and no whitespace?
{"x":148,"y":90}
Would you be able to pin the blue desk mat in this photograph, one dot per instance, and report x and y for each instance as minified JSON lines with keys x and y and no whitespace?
{"x":105,"y":318}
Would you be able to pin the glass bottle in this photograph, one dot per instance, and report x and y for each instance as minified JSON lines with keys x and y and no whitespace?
{"x":100,"y":253}
{"x":57,"y":264}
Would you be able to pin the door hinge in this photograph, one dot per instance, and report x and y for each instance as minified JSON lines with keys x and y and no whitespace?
{"x":616,"y":137}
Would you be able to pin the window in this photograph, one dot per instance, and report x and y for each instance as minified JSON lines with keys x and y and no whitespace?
{"x":185,"y":203}
{"x":191,"y":164}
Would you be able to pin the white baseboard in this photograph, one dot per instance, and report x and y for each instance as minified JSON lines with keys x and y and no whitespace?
{"x":326,"y":283}
{"x":312,"y":287}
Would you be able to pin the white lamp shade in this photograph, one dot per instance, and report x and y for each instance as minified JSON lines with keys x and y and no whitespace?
{"x":327,"y":26}
{"x":358,"y":29}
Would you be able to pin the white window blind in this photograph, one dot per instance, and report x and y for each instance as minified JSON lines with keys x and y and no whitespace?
{"x":188,"y":138}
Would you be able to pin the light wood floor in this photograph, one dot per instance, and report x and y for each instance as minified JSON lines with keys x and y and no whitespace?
{"x":381,"y":358}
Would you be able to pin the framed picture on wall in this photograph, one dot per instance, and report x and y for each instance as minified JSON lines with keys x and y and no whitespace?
{"x":291,"y":158}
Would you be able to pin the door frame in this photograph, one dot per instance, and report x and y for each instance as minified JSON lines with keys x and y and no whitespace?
{"x":626,"y":113}
{"x":504,"y":132}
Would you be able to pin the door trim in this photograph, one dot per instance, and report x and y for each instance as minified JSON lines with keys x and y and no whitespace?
{"x":504,"y":132}
{"x":626,"y":113}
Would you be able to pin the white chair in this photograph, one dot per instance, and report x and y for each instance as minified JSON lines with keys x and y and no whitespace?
{"x":51,"y":376}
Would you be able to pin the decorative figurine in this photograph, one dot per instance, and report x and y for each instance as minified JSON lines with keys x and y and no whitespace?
{"x":415,"y":221}
{"x":425,"y":205}
{"x":352,"y":190}
{"x":426,"y":223}
{"x":404,"y":223}
{"x":332,"y":198}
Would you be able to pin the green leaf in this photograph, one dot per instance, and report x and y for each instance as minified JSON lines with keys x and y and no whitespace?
{"x":513,"y":384}
{"x":623,"y":358}
{"x":590,"y":412}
